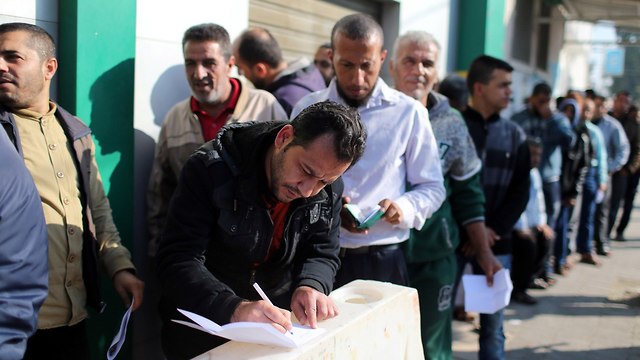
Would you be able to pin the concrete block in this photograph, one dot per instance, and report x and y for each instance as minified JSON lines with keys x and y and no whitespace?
{"x":377,"y":321}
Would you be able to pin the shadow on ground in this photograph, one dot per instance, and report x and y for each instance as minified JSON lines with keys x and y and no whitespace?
{"x":550,"y":353}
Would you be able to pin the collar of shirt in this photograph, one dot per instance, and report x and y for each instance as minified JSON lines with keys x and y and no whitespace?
{"x":36,"y":116}
{"x":473,"y":115}
{"x":211,"y":123}
{"x":381,"y":94}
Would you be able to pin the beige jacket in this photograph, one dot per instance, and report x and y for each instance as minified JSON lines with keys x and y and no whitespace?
{"x":180,"y":135}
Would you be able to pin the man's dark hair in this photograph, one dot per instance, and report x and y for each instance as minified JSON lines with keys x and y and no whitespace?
{"x":328,"y":117}
{"x":257,"y":45}
{"x":210,"y":32}
{"x":482,"y":68}
{"x":39,"y":40}
{"x":623,"y":93}
{"x":541,"y":89}
{"x":357,"y":27}
{"x":453,"y":87}
{"x":325,"y":45}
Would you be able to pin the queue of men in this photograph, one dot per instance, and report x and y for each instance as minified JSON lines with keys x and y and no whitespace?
{"x":251,"y":174}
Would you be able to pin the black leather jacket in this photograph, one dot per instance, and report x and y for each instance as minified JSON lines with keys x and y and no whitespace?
{"x":219,"y":230}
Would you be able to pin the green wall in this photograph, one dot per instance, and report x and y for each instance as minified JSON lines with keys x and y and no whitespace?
{"x":481,"y":30}
{"x":96,"y":77}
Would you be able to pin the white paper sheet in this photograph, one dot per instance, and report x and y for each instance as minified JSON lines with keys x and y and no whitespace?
{"x":121,"y":335}
{"x":480,"y":298}
{"x":252,"y":332}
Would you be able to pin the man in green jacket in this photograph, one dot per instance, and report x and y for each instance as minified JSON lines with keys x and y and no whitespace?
{"x":430,"y":252}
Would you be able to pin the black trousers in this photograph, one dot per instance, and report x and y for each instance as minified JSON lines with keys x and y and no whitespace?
{"x":528,"y":259}
{"x":629,"y":197}
{"x":618,"y":189}
{"x":382,"y":263}
{"x":61,"y":343}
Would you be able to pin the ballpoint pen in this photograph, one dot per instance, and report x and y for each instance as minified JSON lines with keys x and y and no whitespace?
{"x":264,"y":297}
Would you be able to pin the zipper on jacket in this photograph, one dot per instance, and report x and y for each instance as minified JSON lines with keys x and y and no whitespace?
{"x":252,"y":277}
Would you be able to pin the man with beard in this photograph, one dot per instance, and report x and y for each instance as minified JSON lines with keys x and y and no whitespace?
{"x":261,"y":203}
{"x":430,"y":251}
{"x":217,"y":99}
{"x":400,"y":169}
{"x":58,"y":150}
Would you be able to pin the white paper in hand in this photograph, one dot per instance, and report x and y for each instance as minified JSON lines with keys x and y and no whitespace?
{"x":480,"y":298}
{"x":118,"y":340}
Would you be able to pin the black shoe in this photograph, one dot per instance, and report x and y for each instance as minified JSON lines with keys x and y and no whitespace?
{"x":523,"y":298}
{"x":619,"y":237}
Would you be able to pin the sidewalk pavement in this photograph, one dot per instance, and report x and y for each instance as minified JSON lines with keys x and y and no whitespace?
{"x":592,"y":313}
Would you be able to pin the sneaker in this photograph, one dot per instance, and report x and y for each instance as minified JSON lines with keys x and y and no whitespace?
{"x":523,"y":298}
{"x":538,"y":284}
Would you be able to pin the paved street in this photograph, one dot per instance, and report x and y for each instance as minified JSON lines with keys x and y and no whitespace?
{"x":593,"y":313}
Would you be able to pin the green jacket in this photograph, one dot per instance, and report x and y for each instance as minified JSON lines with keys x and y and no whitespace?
{"x":464,"y":203}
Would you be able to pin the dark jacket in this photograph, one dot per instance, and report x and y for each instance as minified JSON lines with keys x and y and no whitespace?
{"x":632,"y":130}
{"x":501,"y":146}
{"x":219,"y":230}
{"x":295,"y":83}
{"x":80,"y":136}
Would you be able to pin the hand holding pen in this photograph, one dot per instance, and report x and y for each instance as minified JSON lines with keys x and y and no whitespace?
{"x":263,"y":311}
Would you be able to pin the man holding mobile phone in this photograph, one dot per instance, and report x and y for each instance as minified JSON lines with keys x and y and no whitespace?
{"x":400,"y":169}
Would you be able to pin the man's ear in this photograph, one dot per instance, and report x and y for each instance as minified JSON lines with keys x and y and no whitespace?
{"x":260,"y":70}
{"x":383,"y":55}
{"x":477,"y":88}
{"x":391,"y":66}
{"x":284,"y":137}
{"x":230,"y":64}
{"x":50,"y":67}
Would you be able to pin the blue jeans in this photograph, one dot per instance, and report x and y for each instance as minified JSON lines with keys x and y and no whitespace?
{"x":561,"y":244}
{"x":587,"y":212}
{"x":552,"y":199}
{"x":491,"y":330}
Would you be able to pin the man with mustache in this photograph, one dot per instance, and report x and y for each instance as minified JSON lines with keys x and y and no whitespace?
{"x":400,"y":170}
{"x":59,"y":152}
{"x":260,"y":203}
{"x":217,"y":99}
{"x":430,"y":251}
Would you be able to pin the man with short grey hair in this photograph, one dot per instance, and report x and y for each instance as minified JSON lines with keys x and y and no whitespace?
{"x":430,"y":251}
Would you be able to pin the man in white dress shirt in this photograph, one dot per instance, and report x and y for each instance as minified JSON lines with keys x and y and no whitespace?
{"x":400,"y":169}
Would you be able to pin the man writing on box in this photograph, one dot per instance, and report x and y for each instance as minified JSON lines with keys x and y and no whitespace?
{"x":260,"y":203}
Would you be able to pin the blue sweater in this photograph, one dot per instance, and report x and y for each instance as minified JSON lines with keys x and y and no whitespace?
{"x":555,"y":133}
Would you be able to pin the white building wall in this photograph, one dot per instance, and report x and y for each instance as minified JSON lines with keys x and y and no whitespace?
{"x":160,"y":81}
{"x":433,"y":17}
{"x":573,"y":64}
